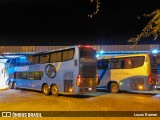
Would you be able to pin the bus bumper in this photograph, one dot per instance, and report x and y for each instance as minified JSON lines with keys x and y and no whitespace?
{"x":87,"y":90}
{"x":157,"y":87}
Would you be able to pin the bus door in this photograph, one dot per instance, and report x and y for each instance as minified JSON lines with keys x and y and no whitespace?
{"x":103,"y":72}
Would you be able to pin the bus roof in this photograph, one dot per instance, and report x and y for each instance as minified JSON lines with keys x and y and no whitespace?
{"x":65,"y":48}
{"x":10,"y":55}
{"x":113,"y":53}
{"x":122,"y":55}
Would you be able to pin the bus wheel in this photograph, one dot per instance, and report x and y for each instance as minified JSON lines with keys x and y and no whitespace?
{"x":10,"y":85}
{"x":54,"y":90}
{"x":114,"y":88}
{"x":14,"y":85}
{"x":45,"y":89}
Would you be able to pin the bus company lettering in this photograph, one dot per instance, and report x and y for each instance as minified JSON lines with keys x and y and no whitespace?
{"x":88,"y":60}
{"x":26,"y":68}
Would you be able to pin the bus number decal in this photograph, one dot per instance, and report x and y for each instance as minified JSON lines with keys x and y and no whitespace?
{"x":50,"y":71}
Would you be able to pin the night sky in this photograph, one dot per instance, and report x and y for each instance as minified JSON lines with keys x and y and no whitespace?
{"x":65,"y":22}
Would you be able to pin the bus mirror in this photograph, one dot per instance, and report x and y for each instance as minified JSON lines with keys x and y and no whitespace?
{"x":75,"y":62}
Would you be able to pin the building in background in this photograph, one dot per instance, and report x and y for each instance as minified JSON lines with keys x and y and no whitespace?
{"x":4,"y":49}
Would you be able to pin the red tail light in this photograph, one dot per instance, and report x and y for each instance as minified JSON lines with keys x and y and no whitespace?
{"x":97,"y":79}
{"x":78,"y":80}
{"x":87,"y":46}
{"x":157,"y":80}
{"x":150,"y":79}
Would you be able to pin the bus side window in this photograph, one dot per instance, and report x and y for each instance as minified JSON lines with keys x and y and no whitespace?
{"x":17,"y":61}
{"x":116,"y":63}
{"x":127,"y":63}
{"x":38,"y":75}
{"x":56,"y":57}
{"x":68,"y":55}
{"x":158,"y":59}
{"x":44,"y":58}
{"x":13,"y":62}
{"x":35,"y":59}
{"x":30,"y":75}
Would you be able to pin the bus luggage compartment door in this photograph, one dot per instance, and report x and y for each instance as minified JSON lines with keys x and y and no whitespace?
{"x":68,"y":82}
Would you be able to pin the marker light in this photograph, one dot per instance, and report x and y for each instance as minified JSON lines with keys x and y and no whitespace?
{"x":154,"y":51}
{"x":150,"y":79}
{"x":87,"y":46}
{"x":102,"y":52}
{"x":121,"y":83}
{"x":140,"y":87}
{"x":97,"y":55}
{"x":97,"y":79}
{"x":157,"y":80}
{"x":70,"y":90}
{"x":78,"y":83}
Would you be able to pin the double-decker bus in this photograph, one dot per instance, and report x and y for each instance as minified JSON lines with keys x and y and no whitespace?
{"x":71,"y":70}
{"x":128,"y":72}
{"x":9,"y":60}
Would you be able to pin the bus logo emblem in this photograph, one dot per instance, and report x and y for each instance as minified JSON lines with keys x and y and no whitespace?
{"x":50,"y":71}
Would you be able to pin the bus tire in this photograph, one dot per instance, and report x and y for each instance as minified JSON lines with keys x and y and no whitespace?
{"x":45,"y":89}
{"x":14,"y":86}
{"x":114,"y":88}
{"x":10,"y":85}
{"x":54,"y":90}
